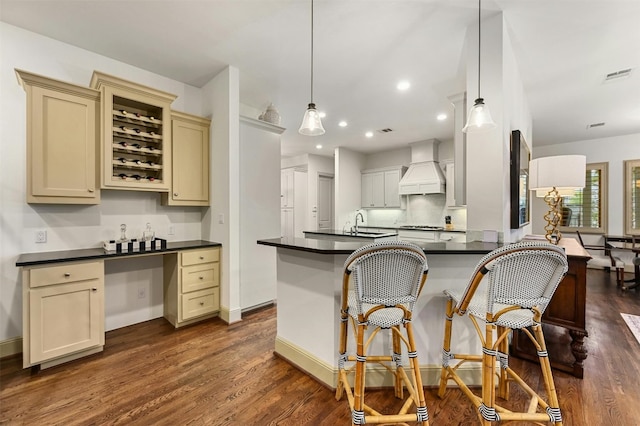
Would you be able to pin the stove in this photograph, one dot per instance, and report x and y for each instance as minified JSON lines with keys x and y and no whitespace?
{"x":423,"y":227}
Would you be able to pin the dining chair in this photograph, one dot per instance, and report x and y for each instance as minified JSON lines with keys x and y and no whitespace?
{"x":605,"y":259}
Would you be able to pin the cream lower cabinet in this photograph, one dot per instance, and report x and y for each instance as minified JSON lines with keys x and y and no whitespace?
{"x":191,"y":286}
{"x":63,"y":312}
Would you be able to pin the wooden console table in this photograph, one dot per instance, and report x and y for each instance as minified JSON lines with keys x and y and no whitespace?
{"x":564,"y":320}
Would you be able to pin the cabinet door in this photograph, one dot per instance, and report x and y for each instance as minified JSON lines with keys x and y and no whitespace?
{"x":287,"y":223}
{"x":62,"y":138}
{"x":392,"y":188}
{"x":190,"y":160}
{"x":65,"y":318}
{"x":372,"y":194}
{"x":287,"y":188}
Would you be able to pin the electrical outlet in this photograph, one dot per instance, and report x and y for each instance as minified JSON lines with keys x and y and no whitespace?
{"x":172,"y":230}
{"x":142,"y":292}
{"x":41,"y":236}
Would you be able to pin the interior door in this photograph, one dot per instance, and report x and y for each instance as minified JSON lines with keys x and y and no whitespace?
{"x":325,"y":202}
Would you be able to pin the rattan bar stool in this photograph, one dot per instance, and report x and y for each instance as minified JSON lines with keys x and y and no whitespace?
{"x":509,"y":290}
{"x":386,"y":279}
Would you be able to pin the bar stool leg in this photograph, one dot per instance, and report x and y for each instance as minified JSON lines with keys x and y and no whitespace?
{"x":358,"y":388}
{"x":446,"y":348}
{"x":487,"y":407}
{"x":503,"y":353}
{"x":421,"y":404}
{"x":397,"y":359}
{"x":554,"y":406}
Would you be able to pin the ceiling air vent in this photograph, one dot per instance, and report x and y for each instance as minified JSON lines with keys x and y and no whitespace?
{"x":617,"y":75}
{"x":591,"y":126}
{"x":387,"y":130}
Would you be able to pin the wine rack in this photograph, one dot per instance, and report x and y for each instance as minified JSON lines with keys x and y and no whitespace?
{"x":136,"y":135}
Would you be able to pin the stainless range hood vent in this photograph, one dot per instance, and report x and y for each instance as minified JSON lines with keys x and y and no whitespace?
{"x":424,"y":175}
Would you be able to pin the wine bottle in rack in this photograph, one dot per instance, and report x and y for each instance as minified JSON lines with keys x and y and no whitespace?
{"x":123,"y":143}
{"x":122,"y":160}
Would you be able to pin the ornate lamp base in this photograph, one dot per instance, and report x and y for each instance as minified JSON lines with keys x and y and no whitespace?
{"x":553,"y":216}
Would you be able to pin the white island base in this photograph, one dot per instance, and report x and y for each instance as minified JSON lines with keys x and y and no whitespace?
{"x":308,"y":315}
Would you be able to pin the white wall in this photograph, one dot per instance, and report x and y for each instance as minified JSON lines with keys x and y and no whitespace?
{"x":488,"y":203}
{"x":221,"y":222}
{"x":259,"y":210}
{"x":71,"y":227}
{"x":347,"y":185}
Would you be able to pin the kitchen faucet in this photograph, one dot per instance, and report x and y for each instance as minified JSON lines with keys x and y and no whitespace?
{"x":361,"y":217}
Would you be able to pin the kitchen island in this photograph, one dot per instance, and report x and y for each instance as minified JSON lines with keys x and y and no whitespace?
{"x":309,"y":274}
{"x":309,"y":287}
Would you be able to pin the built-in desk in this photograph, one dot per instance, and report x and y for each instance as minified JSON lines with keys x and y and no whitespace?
{"x":63,"y":296}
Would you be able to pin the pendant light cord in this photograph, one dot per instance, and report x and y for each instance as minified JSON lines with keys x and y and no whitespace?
{"x":479,"y":27}
{"x":311,"y":51}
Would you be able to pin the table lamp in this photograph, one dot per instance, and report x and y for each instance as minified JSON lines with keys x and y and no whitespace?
{"x":557,"y":176}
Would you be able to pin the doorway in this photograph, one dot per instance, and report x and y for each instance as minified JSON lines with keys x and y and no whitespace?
{"x":325,"y":202}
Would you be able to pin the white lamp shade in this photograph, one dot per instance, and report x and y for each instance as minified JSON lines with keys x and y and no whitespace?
{"x":563,"y":172}
{"x":311,"y":124}
{"x":479,"y":119}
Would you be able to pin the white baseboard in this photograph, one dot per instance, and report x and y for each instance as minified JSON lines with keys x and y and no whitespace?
{"x":230,"y":316}
{"x":10,"y":347}
{"x":376,"y":376}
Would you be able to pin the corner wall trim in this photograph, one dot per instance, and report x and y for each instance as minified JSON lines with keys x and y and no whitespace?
{"x":11,"y":347}
{"x":230,"y":316}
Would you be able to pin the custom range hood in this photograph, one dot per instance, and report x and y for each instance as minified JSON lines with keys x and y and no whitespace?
{"x":424,"y":175}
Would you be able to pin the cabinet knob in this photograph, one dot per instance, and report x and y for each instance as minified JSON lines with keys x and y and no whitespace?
{"x":94,"y":289}
{"x":91,"y":190}
{"x":175,"y":194}
{"x":67,"y":275}
{"x":201,"y":303}
{"x":202,"y":278}
{"x":201,"y":257}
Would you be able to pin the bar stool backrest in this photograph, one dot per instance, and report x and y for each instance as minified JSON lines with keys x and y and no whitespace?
{"x":524,"y":274}
{"x":387,"y":273}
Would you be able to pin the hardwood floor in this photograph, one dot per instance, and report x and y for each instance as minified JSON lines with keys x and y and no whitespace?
{"x":214,"y":374}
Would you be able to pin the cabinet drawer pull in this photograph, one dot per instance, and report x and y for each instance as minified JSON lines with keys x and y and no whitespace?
{"x":201,"y":257}
{"x":202,"y":278}
{"x":94,"y":289}
{"x":201,"y":303}
{"x":67,"y":275}
{"x":90,"y":190}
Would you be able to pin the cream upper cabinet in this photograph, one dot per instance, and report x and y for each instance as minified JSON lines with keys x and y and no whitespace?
{"x":380,"y":188}
{"x":135,"y":130}
{"x":62,"y":136}
{"x":190,"y":161}
{"x":63,"y":312}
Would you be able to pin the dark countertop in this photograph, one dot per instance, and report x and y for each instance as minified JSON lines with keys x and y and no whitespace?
{"x":43,"y":258}
{"x":348,"y":234}
{"x":341,"y":247}
{"x":401,"y":228}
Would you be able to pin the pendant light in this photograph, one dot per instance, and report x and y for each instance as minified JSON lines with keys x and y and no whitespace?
{"x":479,"y":118}
{"x":311,"y":124}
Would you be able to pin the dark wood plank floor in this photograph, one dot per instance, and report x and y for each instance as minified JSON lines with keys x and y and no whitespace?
{"x":216,"y":374}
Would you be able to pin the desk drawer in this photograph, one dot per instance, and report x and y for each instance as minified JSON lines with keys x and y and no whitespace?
{"x":66,"y":273}
{"x":197,"y":257}
{"x":199,"y":303}
{"x":198,"y":277}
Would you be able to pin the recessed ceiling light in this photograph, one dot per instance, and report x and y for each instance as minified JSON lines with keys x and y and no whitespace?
{"x":342,"y":123}
{"x":441,"y":117}
{"x":403,"y":85}
{"x":322,"y":114}
{"x":318,"y":146}
{"x":369,"y":134}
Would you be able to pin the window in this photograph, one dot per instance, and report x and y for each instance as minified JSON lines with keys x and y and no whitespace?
{"x":586,"y":209}
{"x":632,"y":197}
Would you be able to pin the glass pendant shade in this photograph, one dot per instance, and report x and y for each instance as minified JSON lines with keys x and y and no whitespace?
{"x":311,"y":124}
{"x":479,"y":118}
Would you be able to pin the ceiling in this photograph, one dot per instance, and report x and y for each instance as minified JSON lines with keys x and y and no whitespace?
{"x":362,"y":48}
